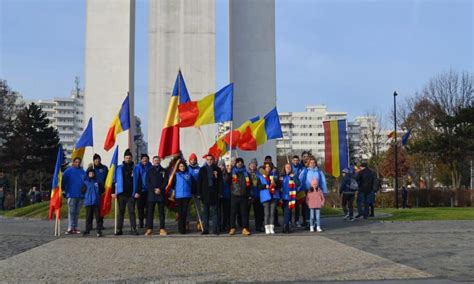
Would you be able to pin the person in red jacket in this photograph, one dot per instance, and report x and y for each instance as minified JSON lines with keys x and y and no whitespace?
{"x":314,"y":200}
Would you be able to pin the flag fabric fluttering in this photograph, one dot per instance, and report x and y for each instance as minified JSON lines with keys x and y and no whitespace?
{"x":56,"y":190}
{"x":169,"y":141}
{"x":86,"y":140}
{"x":106,"y":198}
{"x":335,"y":147}
{"x":259,"y":132}
{"x":406,"y":136}
{"x":391,"y":135}
{"x":120,"y":123}
{"x":214,"y":108}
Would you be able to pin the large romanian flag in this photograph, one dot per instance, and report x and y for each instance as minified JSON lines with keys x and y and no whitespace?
{"x":106,"y":198}
{"x":169,"y":143}
{"x":86,"y":140}
{"x":120,"y":124}
{"x":259,"y":132}
{"x":335,"y":147}
{"x":56,"y":191}
{"x":214,"y":108}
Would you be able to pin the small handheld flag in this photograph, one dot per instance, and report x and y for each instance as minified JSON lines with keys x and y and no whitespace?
{"x":406,"y":136}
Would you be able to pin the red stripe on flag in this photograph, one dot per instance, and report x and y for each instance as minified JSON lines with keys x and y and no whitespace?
{"x":188,"y":114}
{"x":106,"y":202}
{"x":110,"y":139}
{"x":247,"y":141}
{"x":55,"y":204}
{"x":169,"y":144}
{"x":327,"y":147}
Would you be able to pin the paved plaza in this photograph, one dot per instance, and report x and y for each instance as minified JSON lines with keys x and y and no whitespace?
{"x":400,"y":252}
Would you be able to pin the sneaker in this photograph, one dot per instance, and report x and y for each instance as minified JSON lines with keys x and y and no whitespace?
{"x":267,"y":229}
{"x":118,"y":233}
{"x":69,"y":232}
{"x":346,"y":217}
{"x":163,"y":232}
{"x":351,"y":219}
{"x":99,"y":234}
{"x":149,"y":232}
{"x":232,"y":232}
{"x":245,"y":232}
{"x":86,"y":233}
{"x":76,"y":231}
{"x":311,"y":229}
{"x":358,"y":216}
{"x":272,"y":229}
{"x":318,"y":228}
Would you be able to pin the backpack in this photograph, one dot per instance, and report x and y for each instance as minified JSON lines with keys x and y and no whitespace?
{"x":354,"y":186}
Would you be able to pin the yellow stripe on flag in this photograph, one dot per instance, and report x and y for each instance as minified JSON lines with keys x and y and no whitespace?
{"x":206,"y":110}
{"x":335,"y":147}
{"x":172,"y":117}
{"x":258,"y":131}
{"x":78,"y":153}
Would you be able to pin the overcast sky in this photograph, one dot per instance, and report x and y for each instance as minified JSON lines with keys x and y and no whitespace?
{"x":350,"y":55}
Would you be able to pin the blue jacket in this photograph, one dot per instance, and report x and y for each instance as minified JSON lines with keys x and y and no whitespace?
{"x":345,"y":187}
{"x":139,"y":178}
{"x":265,"y":194}
{"x":285,"y":188}
{"x":183,"y":185}
{"x":194,"y":171}
{"x":72,"y":181}
{"x":309,"y":174}
{"x":227,"y":180}
{"x":91,"y":189}
{"x":120,"y":184}
{"x":255,"y":184}
{"x":101,"y":172}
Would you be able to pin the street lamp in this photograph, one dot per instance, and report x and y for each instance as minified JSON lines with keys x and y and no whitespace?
{"x":396,"y":146}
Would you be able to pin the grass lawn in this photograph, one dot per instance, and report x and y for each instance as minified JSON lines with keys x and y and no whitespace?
{"x":40,"y":210}
{"x":427,"y":214}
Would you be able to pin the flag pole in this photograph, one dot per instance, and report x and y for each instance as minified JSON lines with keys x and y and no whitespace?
{"x":115,"y":215}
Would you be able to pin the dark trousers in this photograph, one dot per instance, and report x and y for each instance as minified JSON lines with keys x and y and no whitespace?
{"x":297,"y":212}
{"x":363,"y":200}
{"x":225,"y":216}
{"x":347,"y":204}
{"x":239,"y":204}
{"x":2,"y":202}
{"x":275,"y":217}
{"x":142,"y":204}
{"x":286,"y":212}
{"x":100,"y":223}
{"x":305,"y":213}
{"x":123,"y":203}
{"x":92,"y":211}
{"x":258,"y":213}
{"x":182,"y":205}
{"x":150,"y":211}
{"x":208,"y":210}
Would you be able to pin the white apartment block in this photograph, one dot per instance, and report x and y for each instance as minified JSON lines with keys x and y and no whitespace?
{"x":366,"y":137}
{"x":304,"y":130}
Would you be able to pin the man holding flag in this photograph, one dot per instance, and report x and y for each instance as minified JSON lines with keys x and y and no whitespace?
{"x":72,"y":181}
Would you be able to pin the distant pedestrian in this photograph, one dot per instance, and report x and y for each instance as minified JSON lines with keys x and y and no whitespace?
{"x":347,"y":191}
{"x":365,"y":181}
{"x":315,"y":201}
{"x":404,"y":197}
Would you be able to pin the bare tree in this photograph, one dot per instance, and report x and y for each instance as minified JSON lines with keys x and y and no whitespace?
{"x":372,"y":138}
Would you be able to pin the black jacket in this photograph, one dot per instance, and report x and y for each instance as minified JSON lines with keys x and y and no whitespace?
{"x":210,"y":194}
{"x":156,"y":177}
{"x":365,"y":178}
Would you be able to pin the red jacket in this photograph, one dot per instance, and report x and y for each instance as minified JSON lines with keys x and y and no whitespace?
{"x":315,"y":199}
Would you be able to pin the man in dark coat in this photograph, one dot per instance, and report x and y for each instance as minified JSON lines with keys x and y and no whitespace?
{"x":156,"y":181}
{"x":210,"y":189}
{"x":365,"y":179}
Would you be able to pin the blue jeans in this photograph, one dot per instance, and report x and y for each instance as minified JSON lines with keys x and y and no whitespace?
{"x":363,"y":199}
{"x":314,"y":213}
{"x":215,"y":217}
{"x":286,"y":212}
{"x":74,"y":206}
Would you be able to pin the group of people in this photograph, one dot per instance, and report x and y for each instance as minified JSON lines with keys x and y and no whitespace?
{"x":223,"y":194}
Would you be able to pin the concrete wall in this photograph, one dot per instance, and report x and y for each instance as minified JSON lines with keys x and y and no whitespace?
{"x":181,"y":35}
{"x":109,"y":65}
{"x":252,"y":64}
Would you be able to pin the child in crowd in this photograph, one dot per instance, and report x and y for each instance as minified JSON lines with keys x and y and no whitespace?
{"x":315,"y":200}
{"x":92,"y":191}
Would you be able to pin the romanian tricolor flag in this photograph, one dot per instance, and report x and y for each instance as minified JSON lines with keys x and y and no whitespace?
{"x":56,"y":191}
{"x":169,"y":143}
{"x":120,"y":124}
{"x":106,"y":198}
{"x":259,"y":132}
{"x":218,"y":149}
{"x":214,"y":108}
{"x":335,"y":147}
{"x":86,"y":140}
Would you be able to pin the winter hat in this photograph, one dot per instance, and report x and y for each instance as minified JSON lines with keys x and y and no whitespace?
{"x":96,"y":156}
{"x":254,"y":161}
{"x":127,"y":153}
{"x":90,"y":170}
{"x":192,"y":156}
{"x":144,"y":156}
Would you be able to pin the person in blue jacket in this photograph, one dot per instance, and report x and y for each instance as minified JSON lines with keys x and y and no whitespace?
{"x":306,"y":176}
{"x":72,"y":181}
{"x":289,"y":185}
{"x":255,"y":186}
{"x":183,"y":191}
{"x":225,"y":200}
{"x":269,"y":196}
{"x":125,"y":194}
{"x":194,"y":168}
{"x":101,"y":172}
{"x":140,"y":187}
{"x":92,"y":190}
{"x":347,"y":195}
{"x":297,"y":167}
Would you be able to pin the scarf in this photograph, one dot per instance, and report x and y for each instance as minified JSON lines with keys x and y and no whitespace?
{"x":292,"y":188}
{"x":243,"y":171}
{"x":270,"y":183}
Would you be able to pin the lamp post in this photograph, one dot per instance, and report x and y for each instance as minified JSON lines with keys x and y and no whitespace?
{"x":396,"y":146}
